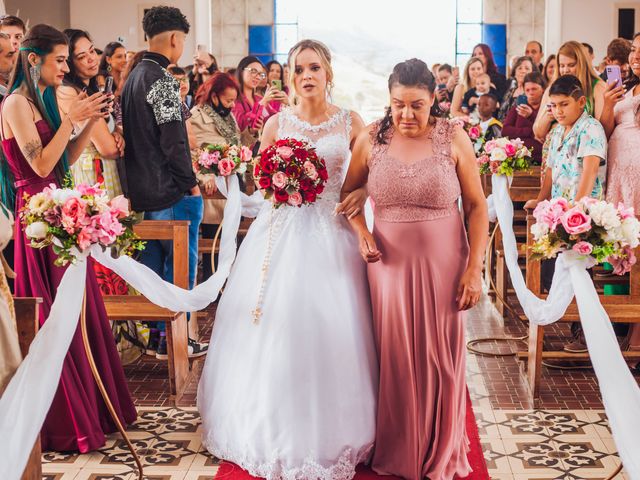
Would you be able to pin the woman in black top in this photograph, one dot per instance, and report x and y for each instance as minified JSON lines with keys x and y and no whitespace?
{"x":484,"y":53}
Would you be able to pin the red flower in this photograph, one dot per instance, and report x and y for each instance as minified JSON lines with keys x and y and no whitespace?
{"x":292,"y":171}
{"x":301,"y":154}
{"x":309,"y":196}
{"x":305,"y":185}
{"x":268,"y":166}
{"x":281,"y":196}
{"x":264,"y":182}
{"x":322,"y":173}
{"x":319,"y":189}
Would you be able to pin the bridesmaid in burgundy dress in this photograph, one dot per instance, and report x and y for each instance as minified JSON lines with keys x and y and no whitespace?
{"x":422,"y":274}
{"x":37,"y":148}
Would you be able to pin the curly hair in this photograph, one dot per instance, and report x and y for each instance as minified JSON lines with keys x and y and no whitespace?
{"x":410,"y":73}
{"x":164,"y":19}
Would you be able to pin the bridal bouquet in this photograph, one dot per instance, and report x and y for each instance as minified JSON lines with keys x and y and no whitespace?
{"x":290,"y":173}
{"x":72,"y":220}
{"x":592,"y":228}
{"x":503,"y":156}
{"x":222,"y":160}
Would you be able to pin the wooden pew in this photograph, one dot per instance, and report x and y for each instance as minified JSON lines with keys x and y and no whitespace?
{"x":138,"y":308}
{"x":27,"y":323}
{"x":525,"y":186}
{"x":620,"y":308}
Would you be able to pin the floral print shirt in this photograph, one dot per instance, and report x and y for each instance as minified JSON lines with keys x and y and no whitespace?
{"x":586,"y":138}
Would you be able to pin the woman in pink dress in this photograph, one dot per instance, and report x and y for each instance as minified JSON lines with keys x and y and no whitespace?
{"x":422,"y":274}
{"x":621,"y":121}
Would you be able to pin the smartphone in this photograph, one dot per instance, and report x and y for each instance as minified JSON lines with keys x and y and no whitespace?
{"x":277,"y":84}
{"x":614,"y":74}
{"x":521,"y":100}
{"x":442,"y":86}
{"x":108,"y":90}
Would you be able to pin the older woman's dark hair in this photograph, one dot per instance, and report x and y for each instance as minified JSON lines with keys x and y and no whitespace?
{"x":519,"y":61}
{"x":410,"y":73}
{"x":71,"y":77}
{"x":535,"y":77}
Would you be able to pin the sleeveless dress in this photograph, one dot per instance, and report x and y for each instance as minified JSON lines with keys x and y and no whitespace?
{"x":78,"y":418}
{"x":293,"y":396}
{"x":418,"y":329}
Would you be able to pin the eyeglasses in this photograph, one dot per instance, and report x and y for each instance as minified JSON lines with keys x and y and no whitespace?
{"x":182,"y":79}
{"x":256,"y":73}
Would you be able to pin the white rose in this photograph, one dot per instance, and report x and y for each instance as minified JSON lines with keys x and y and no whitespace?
{"x":631,"y":231}
{"x":36,"y":230}
{"x":498,"y":155}
{"x":61,"y":195}
{"x":38,"y":203}
{"x":539,"y":230}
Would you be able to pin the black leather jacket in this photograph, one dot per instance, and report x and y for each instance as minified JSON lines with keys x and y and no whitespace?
{"x":157,"y":159}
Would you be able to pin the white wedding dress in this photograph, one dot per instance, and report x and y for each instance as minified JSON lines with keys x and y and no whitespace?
{"x":294,"y":396}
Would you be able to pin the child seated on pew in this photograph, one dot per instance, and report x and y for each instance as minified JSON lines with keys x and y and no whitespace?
{"x":576,"y":165}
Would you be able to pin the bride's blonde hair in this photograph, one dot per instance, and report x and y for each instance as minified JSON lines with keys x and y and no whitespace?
{"x":325,"y":60}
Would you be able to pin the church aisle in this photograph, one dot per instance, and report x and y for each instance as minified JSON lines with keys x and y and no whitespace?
{"x":565,"y":438}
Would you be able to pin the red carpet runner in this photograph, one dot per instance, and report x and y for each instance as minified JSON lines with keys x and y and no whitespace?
{"x":230,"y":471}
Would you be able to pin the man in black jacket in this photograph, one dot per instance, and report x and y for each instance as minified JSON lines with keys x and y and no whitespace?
{"x":159,"y":179}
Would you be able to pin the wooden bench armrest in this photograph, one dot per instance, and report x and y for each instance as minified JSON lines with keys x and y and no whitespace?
{"x":27,"y":313}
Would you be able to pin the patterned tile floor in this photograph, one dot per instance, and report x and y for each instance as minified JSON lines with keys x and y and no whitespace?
{"x":566,"y":437}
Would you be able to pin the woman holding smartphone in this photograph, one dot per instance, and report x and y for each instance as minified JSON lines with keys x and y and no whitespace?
{"x":251,"y":111}
{"x":522,"y":67}
{"x":38,"y":150}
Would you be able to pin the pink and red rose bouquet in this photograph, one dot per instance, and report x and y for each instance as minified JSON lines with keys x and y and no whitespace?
{"x":503,"y":156}
{"x":222,"y":160}
{"x":593,"y":228}
{"x":72,"y":220}
{"x":290,"y":173}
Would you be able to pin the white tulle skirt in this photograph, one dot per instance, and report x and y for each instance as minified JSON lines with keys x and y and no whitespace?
{"x":293,"y":396}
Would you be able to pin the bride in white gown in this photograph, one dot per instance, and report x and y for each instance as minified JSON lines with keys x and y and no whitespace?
{"x":293,"y":395}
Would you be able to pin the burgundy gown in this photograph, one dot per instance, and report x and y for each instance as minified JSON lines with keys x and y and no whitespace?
{"x":418,"y":329}
{"x":78,"y":418}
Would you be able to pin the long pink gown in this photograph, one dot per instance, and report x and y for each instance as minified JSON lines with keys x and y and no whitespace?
{"x":623,"y":163}
{"x":418,"y":329}
{"x":78,"y":418}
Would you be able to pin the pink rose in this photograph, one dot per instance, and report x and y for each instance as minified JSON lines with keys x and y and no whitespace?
{"x":209,"y":158}
{"x":490,"y":146}
{"x":226,"y":166}
{"x":245,"y":154}
{"x":285,"y":152}
{"x":279,"y":179}
{"x":482,"y":159}
{"x":474,"y":133}
{"x":74,"y":212}
{"x":575,"y":221}
{"x":310,"y":170}
{"x":510,"y":149}
{"x":623,"y":263}
{"x":625,"y":212}
{"x":551,"y":212}
{"x":86,"y":237}
{"x":494,"y":166}
{"x":119,"y":206}
{"x":108,"y":227}
{"x":583,"y":248}
{"x":295,"y":199}
{"x":89,"y":191}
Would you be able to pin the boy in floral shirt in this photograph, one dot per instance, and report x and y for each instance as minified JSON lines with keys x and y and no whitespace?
{"x":576,"y":165}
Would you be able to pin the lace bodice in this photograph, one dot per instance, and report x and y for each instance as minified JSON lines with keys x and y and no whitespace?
{"x":410,"y":191}
{"x":331,"y":140}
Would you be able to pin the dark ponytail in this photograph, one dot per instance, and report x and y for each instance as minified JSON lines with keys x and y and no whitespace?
{"x":410,"y":73}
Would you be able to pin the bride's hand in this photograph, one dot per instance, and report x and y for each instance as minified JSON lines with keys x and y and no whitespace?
{"x":353,"y":203}
{"x":368,"y":248}
{"x":469,"y":289}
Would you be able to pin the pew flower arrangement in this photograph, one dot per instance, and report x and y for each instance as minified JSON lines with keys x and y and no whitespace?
{"x":503,"y":156}
{"x":222,"y":160}
{"x":472,"y":127}
{"x":73,"y":219}
{"x":591,"y":228}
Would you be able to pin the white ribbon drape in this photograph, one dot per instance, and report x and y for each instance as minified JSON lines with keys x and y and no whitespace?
{"x":27,"y":399}
{"x":620,"y":392}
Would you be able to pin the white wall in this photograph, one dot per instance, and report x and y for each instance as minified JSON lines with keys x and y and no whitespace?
{"x":56,"y":12}
{"x":106,"y":21}
{"x":593,"y":21}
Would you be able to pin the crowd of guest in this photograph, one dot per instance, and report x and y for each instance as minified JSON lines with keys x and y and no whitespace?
{"x":589,"y":149}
